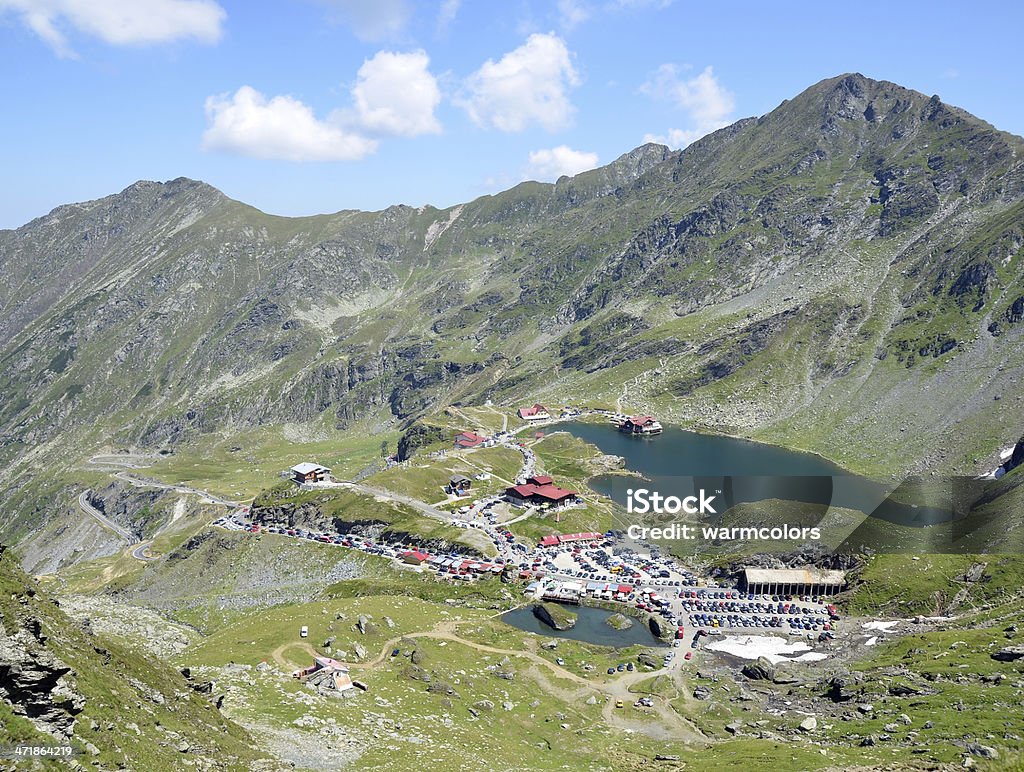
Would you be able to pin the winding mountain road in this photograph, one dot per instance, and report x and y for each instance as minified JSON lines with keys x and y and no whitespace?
{"x":106,"y":522}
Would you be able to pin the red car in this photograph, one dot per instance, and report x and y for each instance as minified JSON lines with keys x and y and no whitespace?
{"x":688,"y":655}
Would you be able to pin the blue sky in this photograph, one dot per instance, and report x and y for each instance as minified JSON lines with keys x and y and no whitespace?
{"x":308,"y":106}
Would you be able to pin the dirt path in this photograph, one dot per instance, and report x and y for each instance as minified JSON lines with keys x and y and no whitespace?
{"x":669,"y":725}
{"x":278,"y":654}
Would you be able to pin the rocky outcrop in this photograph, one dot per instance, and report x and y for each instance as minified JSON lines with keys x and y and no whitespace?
{"x":554,"y":616}
{"x":417,"y":436}
{"x":619,"y":622}
{"x":37,"y":684}
{"x":760,"y":670}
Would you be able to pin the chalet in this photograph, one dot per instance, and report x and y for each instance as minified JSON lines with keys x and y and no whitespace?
{"x":307,"y":472}
{"x":641,"y":424}
{"x":536,"y":413}
{"x":415,"y":557}
{"x":532,"y":493}
{"x":469,"y":440}
{"x":459,"y":484}
{"x":540,"y":479}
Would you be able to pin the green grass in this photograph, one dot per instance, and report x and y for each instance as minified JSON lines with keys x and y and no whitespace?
{"x":212,"y":465}
{"x":424,"y":478}
{"x":119,"y":685}
{"x":901,"y":586}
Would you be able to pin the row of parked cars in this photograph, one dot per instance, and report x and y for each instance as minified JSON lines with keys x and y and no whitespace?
{"x":621,"y":667}
{"x":795,"y":624}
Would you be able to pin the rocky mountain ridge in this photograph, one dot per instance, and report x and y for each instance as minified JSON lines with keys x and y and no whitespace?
{"x":802,"y":277}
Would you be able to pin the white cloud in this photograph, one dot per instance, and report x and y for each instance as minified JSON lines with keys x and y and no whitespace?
{"x":372,"y":20}
{"x":627,"y":4}
{"x":395,"y":94}
{"x":528,"y":85}
{"x":120,"y":22}
{"x":707,"y":104}
{"x":284,"y":128}
{"x":572,"y":12}
{"x":675,"y":137}
{"x":549,"y":165}
{"x":447,"y":13}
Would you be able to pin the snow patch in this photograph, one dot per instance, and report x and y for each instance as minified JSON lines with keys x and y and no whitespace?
{"x":770,"y":647}
{"x":883,"y":626}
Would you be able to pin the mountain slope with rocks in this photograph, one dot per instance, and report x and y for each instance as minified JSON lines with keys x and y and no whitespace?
{"x":804,"y":277}
{"x":61,"y":683}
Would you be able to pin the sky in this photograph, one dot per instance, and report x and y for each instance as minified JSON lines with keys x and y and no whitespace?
{"x":307,"y":106}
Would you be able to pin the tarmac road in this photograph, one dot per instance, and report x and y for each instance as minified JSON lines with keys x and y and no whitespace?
{"x":106,"y":522}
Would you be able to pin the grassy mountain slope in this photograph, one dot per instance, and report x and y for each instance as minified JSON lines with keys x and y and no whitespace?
{"x":803,"y":277}
{"x":60,"y":683}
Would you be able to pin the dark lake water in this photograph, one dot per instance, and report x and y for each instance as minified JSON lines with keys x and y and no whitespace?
{"x":590,"y":628}
{"x":679,"y":463}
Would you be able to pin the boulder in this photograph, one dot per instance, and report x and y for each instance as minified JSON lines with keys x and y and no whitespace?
{"x":809,"y":724}
{"x":760,"y":669}
{"x":785,"y":674}
{"x":648,"y":659}
{"x":841,"y":688}
{"x":702,"y":693}
{"x":1009,"y":654}
{"x":982,"y":751}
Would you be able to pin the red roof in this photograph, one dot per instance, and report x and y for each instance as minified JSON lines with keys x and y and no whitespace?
{"x":585,"y":536}
{"x":530,"y":411}
{"x":625,"y":589}
{"x":415,"y":555}
{"x":640,"y":420}
{"x":548,"y":492}
{"x":469,"y":439}
{"x":540,"y":479}
{"x":549,"y":541}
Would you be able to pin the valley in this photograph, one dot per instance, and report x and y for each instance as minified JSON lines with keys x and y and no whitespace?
{"x":235,"y":445}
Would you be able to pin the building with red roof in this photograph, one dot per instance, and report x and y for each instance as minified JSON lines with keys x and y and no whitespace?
{"x":584,"y":536}
{"x":415,"y":557}
{"x":531,"y":493}
{"x":469,"y":440}
{"x":536,"y":413}
{"x":640,"y":424}
{"x":540,"y":479}
{"x":571,"y":538}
